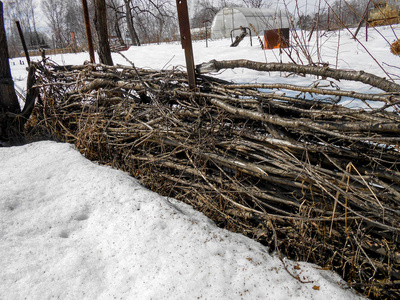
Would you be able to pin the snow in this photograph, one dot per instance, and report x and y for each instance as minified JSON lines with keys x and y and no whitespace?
{"x":72,"y":229}
{"x":352,"y":55}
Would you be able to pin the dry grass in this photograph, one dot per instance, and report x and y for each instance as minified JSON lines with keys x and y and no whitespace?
{"x":395,"y":47}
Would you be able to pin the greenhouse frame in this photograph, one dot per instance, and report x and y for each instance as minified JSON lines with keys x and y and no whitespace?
{"x":257,"y":20}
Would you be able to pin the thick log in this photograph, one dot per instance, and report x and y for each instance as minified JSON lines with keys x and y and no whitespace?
{"x":325,"y":127}
{"x":360,"y":76}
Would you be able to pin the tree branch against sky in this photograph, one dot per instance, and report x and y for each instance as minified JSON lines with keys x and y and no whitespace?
{"x":55,"y":11}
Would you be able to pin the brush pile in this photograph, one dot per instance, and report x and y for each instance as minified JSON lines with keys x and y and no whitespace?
{"x":311,"y":179}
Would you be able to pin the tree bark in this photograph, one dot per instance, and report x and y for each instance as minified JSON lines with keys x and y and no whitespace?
{"x":118,"y":31}
{"x":100,"y":21}
{"x":8,"y":97}
{"x":361,"y":76}
{"x":131,"y":28}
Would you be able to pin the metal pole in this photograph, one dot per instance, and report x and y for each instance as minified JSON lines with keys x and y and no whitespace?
{"x":186,"y":40}
{"x":206,"y":37}
{"x":206,"y":22}
{"x":88,"y":31}
{"x":21,"y":36}
{"x":363,"y":18}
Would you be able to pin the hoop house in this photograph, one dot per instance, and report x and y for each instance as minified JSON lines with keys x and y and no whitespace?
{"x":257,"y":19}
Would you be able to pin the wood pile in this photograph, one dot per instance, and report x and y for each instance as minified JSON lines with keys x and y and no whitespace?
{"x":309,"y":178}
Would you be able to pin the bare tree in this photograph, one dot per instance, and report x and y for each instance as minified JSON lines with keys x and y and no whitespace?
{"x":205,"y":10}
{"x":24,"y":12}
{"x":55,"y":11}
{"x":116,"y":16}
{"x":129,"y":19}
{"x":74,"y":21}
{"x":153,"y":20}
{"x":256,"y":3}
{"x":8,"y":97}
{"x":100,"y":21}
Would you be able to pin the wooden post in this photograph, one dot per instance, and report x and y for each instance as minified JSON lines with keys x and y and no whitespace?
{"x":88,"y":31}
{"x":73,"y":43}
{"x":186,"y":40}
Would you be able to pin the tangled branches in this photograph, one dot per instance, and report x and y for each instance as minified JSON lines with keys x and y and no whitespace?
{"x":302,"y":174}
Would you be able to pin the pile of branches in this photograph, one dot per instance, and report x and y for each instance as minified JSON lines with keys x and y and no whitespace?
{"x":285,"y":165}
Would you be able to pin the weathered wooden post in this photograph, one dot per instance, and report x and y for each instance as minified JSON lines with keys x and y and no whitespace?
{"x":186,"y":40}
{"x":88,"y":31}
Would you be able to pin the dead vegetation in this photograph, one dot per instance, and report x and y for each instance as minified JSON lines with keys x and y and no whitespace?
{"x":395,"y":47}
{"x":300,"y":173}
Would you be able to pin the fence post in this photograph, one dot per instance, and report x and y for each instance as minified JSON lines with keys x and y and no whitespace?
{"x":88,"y":31}
{"x":186,"y":40}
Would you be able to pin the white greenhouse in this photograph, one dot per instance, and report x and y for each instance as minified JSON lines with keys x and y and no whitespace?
{"x":256,"y":19}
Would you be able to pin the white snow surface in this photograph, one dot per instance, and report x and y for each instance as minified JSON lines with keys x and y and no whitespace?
{"x":335,"y":48}
{"x":72,"y":229}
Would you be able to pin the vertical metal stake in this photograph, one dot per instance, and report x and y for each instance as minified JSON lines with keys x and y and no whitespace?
{"x":186,"y":40}
{"x":21,"y":36}
{"x":206,"y":37}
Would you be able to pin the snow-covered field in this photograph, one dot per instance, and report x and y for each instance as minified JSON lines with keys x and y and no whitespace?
{"x":71,"y":229}
{"x":352,"y":55}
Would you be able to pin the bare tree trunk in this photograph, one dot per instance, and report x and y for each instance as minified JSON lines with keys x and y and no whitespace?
{"x":118,"y":32}
{"x":131,"y":28}
{"x":8,"y":98}
{"x":117,"y":15}
{"x":100,"y":21}
{"x":34,"y":23}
